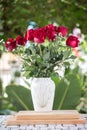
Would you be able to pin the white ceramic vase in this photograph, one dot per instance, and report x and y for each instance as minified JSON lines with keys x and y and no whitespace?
{"x":42,"y":91}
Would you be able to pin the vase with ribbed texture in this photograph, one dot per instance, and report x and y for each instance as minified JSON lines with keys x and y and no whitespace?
{"x":42,"y":91}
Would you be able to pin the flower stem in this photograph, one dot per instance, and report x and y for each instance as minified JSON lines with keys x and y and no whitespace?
{"x":40,"y":50}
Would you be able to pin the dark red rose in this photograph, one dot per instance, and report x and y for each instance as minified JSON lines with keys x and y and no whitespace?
{"x":39,"y":35}
{"x":62,"y":30}
{"x":20,"y":40}
{"x":29,"y":35}
{"x":72,"y":41}
{"x":10,"y":44}
{"x":51,"y":32}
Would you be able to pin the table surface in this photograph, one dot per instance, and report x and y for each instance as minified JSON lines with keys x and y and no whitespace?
{"x":42,"y":127}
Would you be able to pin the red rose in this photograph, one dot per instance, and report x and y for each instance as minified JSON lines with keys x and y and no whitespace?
{"x":39,"y":35}
{"x":62,"y":30}
{"x":20,"y":40}
{"x":10,"y":44}
{"x":72,"y":41}
{"x":51,"y":27}
{"x":51,"y":32}
{"x":29,"y":35}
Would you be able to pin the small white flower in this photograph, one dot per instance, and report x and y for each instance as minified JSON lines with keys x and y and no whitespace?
{"x":76,"y":31}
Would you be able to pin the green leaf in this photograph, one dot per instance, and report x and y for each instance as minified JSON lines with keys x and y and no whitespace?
{"x":46,"y":56}
{"x":20,"y":97}
{"x":66,"y":54}
{"x":5,"y":112}
{"x":46,"y":43}
{"x":56,"y":79}
{"x":72,"y":57}
{"x":67,"y":96}
{"x":66,"y":63}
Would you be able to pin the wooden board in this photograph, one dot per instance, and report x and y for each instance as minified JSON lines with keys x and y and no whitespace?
{"x":13,"y":121}
{"x":51,"y":115}
{"x":45,"y":117}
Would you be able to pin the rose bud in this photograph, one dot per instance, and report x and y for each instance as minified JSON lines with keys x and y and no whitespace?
{"x":72,"y":41}
{"x":62,"y":30}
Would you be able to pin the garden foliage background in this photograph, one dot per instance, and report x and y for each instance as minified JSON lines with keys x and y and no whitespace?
{"x":15,"y":16}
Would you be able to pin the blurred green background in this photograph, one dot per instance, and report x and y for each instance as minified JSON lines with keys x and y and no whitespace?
{"x":15,"y":15}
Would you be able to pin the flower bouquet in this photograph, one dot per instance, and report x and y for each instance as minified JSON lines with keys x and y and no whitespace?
{"x":43,"y":50}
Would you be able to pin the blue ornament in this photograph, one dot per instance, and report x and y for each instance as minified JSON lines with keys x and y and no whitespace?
{"x":31,"y":25}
